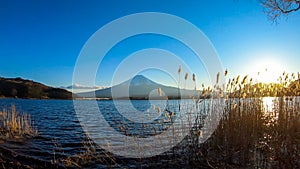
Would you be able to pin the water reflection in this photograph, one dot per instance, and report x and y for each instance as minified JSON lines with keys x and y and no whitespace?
{"x":268,"y":103}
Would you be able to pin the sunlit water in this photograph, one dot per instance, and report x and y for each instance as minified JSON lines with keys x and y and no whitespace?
{"x":268,"y":103}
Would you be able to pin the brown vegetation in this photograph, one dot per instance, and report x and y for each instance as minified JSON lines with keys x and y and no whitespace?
{"x":249,"y":135}
{"x":14,"y":125}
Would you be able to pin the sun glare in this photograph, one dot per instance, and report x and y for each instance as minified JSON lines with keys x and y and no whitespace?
{"x":267,"y":71}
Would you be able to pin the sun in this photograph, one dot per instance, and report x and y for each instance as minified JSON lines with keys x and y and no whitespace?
{"x":267,"y":71}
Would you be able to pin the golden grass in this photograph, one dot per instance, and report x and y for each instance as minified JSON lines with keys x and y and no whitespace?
{"x":248,"y":135}
{"x":15,"y":125}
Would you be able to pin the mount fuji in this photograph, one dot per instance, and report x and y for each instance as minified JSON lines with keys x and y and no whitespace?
{"x":139,"y":87}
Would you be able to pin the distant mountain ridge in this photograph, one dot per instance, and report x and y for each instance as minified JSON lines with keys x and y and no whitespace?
{"x":139,"y":87}
{"x":22,"y":88}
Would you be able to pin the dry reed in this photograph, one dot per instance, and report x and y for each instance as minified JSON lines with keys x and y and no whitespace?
{"x":16,"y":125}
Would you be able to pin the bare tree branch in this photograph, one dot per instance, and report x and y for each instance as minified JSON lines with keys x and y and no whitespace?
{"x":275,"y":8}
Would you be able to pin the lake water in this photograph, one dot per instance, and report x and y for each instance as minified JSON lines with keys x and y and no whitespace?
{"x":56,"y":122}
{"x":61,"y":134}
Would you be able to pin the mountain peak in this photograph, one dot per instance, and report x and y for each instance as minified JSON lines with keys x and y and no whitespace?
{"x":140,"y":80}
{"x":139,"y":77}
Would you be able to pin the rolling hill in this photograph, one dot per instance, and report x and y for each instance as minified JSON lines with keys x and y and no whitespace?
{"x":21,"y":88}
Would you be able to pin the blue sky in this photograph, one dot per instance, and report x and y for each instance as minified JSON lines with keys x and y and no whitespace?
{"x":41,"y":40}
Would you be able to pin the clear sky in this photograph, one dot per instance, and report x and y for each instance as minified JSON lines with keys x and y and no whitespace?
{"x":41,"y":40}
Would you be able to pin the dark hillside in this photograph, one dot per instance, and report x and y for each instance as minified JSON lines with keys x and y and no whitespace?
{"x":21,"y":88}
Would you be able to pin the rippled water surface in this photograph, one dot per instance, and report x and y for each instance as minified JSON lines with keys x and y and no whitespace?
{"x":60,"y":133}
{"x":56,"y":123}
